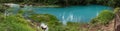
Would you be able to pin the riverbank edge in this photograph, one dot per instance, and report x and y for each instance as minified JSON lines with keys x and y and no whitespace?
{"x":45,"y":5}
{"x":33,"y":5}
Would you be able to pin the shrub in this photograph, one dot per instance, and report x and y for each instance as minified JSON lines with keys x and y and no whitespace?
{"x":103,"y":18}
{"x":116,"y":10}
{"x":2,"y":8}
{"x":43,"y":18}
{"x":15,"y":23}
{"x":52,"y":22}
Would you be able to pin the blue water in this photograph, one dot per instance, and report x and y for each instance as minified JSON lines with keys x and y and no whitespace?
{"x":73,"y":13}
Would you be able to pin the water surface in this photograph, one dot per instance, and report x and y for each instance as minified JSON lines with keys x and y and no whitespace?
{"x":72,"y":13}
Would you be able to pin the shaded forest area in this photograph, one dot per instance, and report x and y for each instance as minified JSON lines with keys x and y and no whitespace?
{"x":113,"y":3}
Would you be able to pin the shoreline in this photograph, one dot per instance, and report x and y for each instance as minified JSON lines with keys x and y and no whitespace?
{"x":24,"y":5}
{"x":41,"y":5}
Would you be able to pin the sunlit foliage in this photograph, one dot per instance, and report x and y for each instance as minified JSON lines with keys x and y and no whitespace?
{"x":103,"y":18}
{"x":14,"y":23}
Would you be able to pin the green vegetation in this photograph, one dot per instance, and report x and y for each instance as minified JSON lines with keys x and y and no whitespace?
{"x":103,"y":18}
{"x":2,"y":8}
{"x":17,"y":22}
{"x":113,"y":3}
{"x":73,"y":26}
{"x":116,"y":10}
{"x":14,"y":23}
{"x":43,"y":17}
{"x":54,"y":24}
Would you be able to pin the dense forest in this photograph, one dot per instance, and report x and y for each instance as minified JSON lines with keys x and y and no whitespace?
{"x":113,"y":3}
